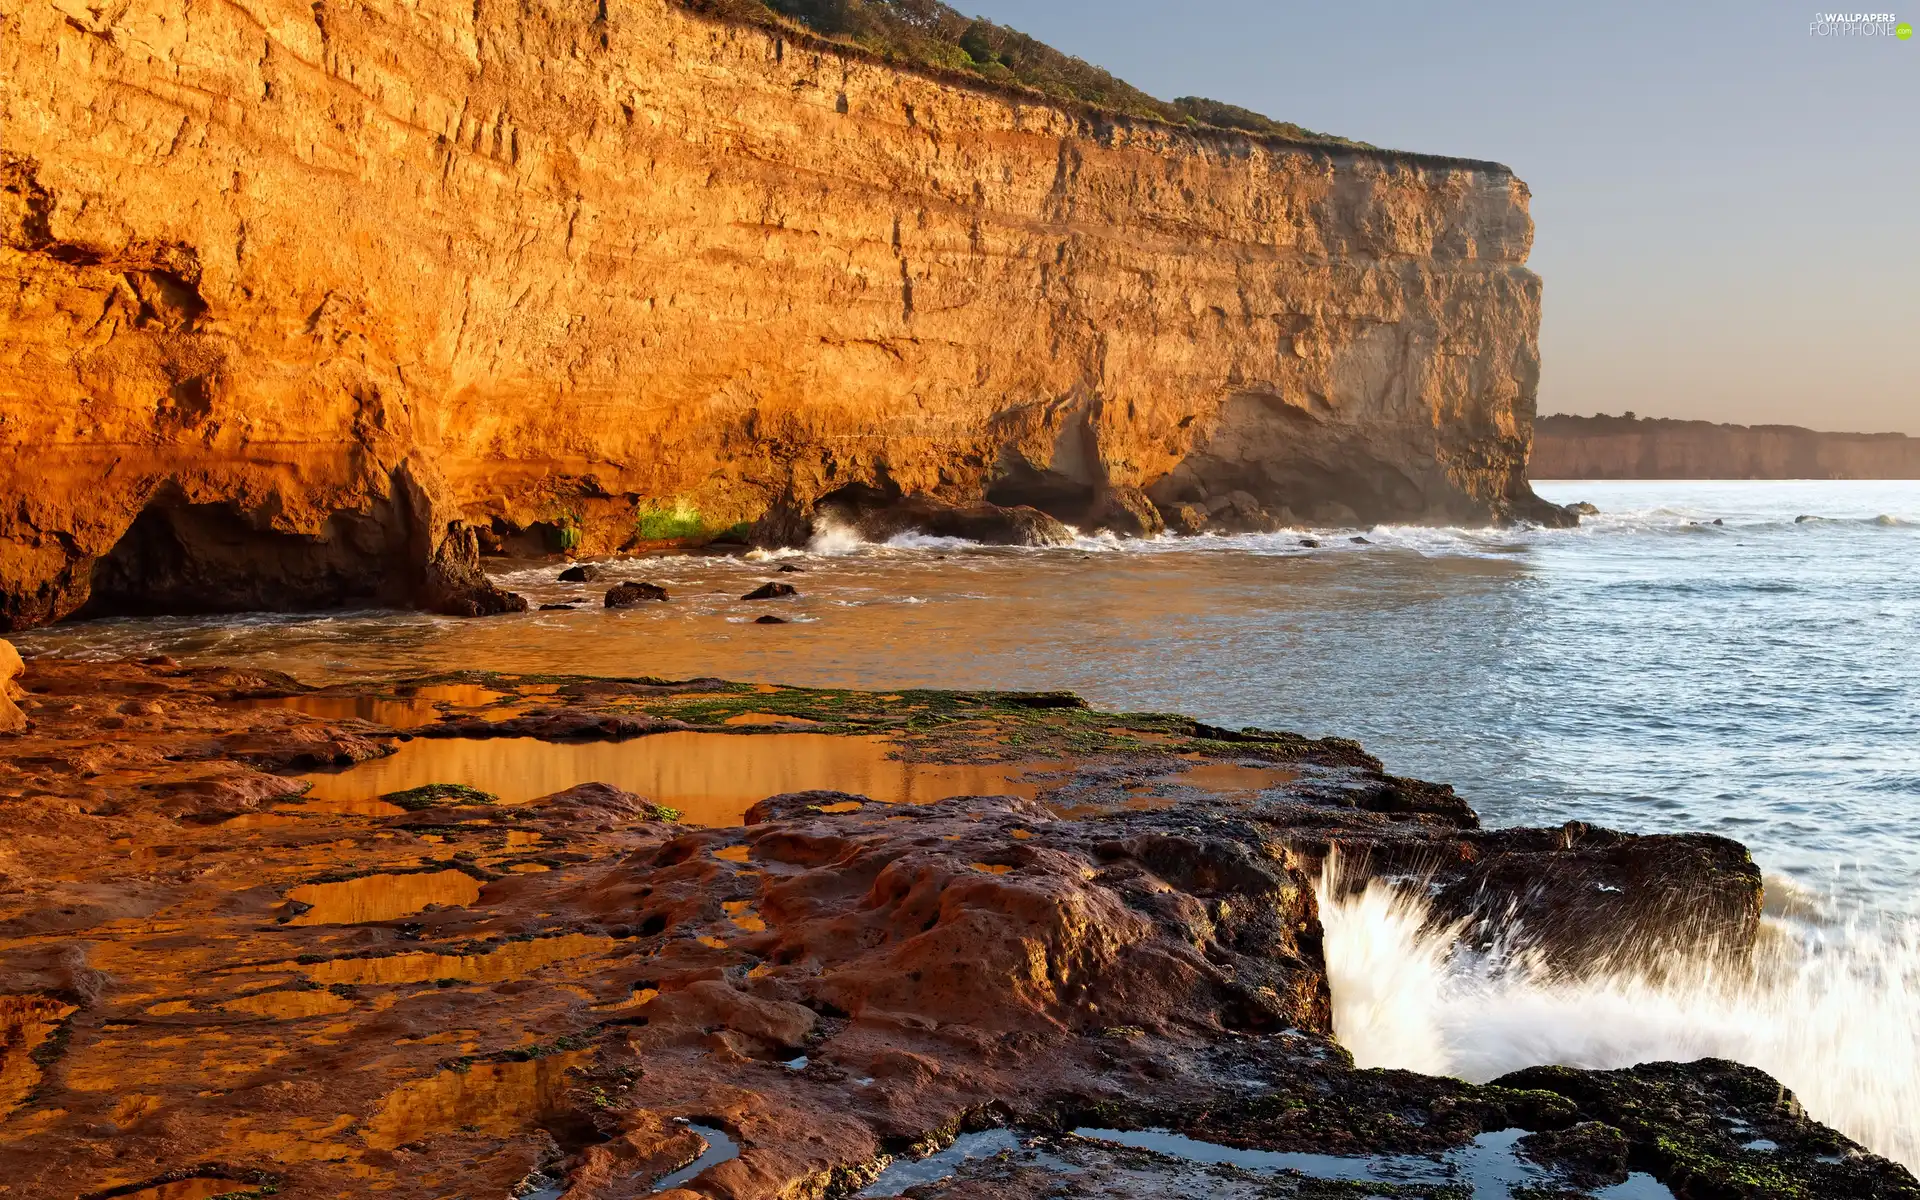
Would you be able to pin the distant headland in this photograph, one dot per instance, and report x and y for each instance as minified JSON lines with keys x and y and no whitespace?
{"x":1630,"y":447}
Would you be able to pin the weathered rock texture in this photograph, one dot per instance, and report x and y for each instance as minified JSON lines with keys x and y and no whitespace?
{"x":1626,"y":448}
{"x":324,"y":287}
{"x":209,"y":973}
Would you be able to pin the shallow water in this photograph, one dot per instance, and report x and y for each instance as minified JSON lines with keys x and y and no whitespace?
{"x":712,"y":778}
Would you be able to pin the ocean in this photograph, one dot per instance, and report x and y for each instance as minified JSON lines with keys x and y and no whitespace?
{"x":1740,"y":658}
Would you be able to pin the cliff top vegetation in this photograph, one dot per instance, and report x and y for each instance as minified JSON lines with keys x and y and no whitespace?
{"x":932,"y":35}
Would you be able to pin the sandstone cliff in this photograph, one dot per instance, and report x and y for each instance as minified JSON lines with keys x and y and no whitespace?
{"x":1606,"y":447}
{"x":305,"y":304}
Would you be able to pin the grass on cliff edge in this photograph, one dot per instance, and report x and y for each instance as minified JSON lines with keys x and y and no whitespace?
{"x":928,"y":33}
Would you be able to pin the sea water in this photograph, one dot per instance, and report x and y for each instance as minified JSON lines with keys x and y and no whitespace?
{"x":1733,"y":657}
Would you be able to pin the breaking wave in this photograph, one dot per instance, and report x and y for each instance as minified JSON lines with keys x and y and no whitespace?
{"x":1828,"y":1008}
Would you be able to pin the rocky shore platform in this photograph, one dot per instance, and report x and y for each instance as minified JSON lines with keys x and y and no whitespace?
{"x":488,"y":936}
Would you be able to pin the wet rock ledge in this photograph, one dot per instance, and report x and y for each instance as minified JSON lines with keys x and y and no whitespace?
{"x":1001,"y":918}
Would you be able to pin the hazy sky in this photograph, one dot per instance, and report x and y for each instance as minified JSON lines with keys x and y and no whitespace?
{"x":1728,"y":209}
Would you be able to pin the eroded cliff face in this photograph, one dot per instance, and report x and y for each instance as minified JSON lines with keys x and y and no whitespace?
{"x":1624,"y":448}
{"x":306,"y":302}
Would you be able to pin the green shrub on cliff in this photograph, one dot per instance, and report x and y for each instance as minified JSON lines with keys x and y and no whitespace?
{"x":666,"y":524}
{"x":927,"y":33}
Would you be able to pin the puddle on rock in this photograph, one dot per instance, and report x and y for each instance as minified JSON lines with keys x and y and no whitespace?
{"x":407,"y":712}
{"x":762,"y":718}
{"x":514,"y":960}
{"x":905,"y":1173}
{"x":1487,"y":1166}
{"x":200,"y":1187}
{"x":382,"y":897}
{"x":289,"y":1006}
{"x":26,"y":1022}
{"x":500,"y":1099}
{"x":712,"y":778}
{"x":742,"y":914}
{"x":1230,"y":777}
{"x":720,"y":1148}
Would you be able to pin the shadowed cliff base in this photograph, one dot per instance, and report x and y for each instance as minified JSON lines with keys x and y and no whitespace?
{"x":1629,"y":447}
{"x":230,"y":942}
{"x":631,"y":277}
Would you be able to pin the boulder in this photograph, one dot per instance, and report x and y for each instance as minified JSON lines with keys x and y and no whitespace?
{"x":630,"y":593}
{"x":878,"y":516}
{"x":12,"y":720}
{"x":584,"y":573}
{"x":770,"y":619}
{"x":1127,"y":512}
{"x":772,"y":591}
{"x":1188,"y":519}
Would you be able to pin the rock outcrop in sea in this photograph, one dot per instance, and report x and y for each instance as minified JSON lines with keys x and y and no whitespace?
{"x":311,"y":305}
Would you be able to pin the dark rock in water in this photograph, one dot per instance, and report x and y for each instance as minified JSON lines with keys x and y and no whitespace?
{"x":584,"y":573}
{"x":770,"y":619}
{"x":878,"y":515}
{"x":1127,"y":512}
{"x":1310,"y":543}
{"x":630,"y":593}
{"x":1719,"y":521}
{"x":597,"y":801}
{"x":1704,"y":1127}
{"x":556,"y":608}
{"x":1591,"y":1154}
{"x":772,"y":591}
{"x":1360,"y":541}
{"x":1803,"y":518}
{"x":1188,"y":519}
{"x":1582,"y":508}
{"x":790,"y":569}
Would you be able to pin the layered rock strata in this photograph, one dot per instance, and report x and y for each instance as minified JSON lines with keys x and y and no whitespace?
{"x":217,"y":979}
{"x":305,"y":303}
{"x":1628,"y":448}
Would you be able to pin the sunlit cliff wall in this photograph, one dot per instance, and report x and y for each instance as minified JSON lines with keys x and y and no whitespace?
{"x":316,"y":291}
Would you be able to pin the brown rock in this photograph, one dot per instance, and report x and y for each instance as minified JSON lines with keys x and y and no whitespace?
{"x":584,"y":573}
{"x":12,"y":720}
{"x":772,"y":591}
{"x":442,"y":278}
{"x":630,"y":593}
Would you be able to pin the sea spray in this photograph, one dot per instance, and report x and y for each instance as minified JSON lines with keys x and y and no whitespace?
{"x":1832,"y":1011}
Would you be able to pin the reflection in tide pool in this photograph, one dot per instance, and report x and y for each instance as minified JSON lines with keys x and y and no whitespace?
{"x":712,"y":778}
{"x":498,"y":1098}
{"x":381,"y":897}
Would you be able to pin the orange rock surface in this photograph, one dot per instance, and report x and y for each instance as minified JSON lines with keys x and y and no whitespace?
{"x":312,"y":292}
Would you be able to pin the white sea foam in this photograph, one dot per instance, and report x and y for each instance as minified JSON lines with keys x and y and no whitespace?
{"x":1830,"y":1012}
